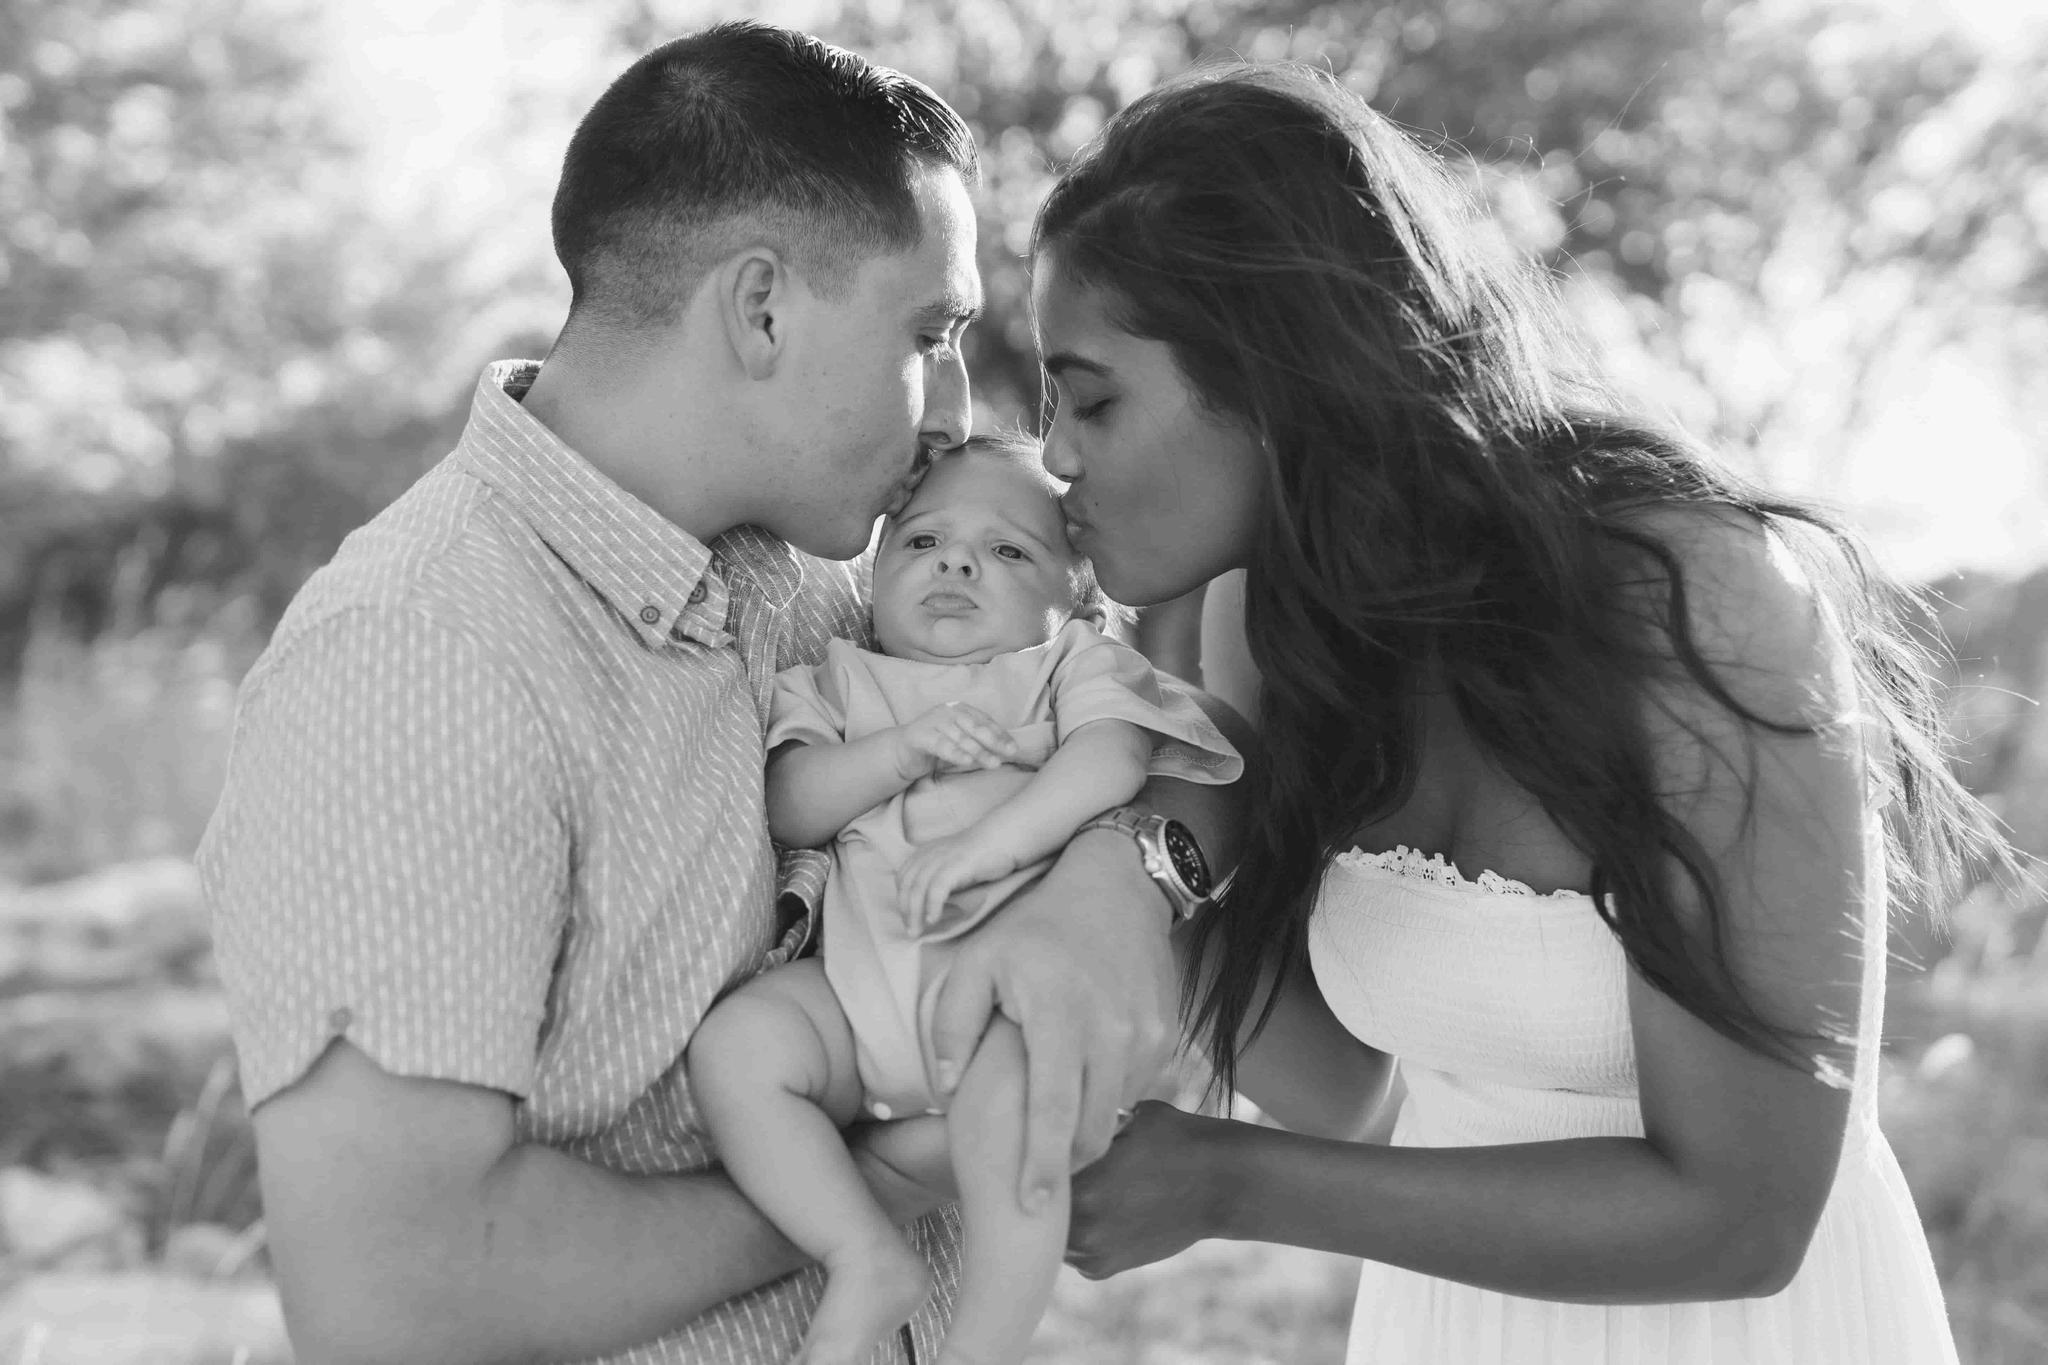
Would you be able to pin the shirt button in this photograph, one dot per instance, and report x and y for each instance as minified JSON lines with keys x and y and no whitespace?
{"x":340,"y":1019}
{"x":697,"y":594}
{"x":650,"y":614}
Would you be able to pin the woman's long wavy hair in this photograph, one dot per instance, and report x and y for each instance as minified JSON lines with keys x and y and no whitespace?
{"x":1452,"y":500}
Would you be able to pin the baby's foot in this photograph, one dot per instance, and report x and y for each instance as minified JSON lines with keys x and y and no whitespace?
{"x":869,"y":1290}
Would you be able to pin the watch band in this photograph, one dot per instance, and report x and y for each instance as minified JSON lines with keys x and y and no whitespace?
{"x":1149,"y":833}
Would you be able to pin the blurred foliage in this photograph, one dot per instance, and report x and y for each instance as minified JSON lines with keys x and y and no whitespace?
{"x":1522,"y":94}
{"x":202,"y":330}
{"x":219,"y":352}
{"x":214,"y":353}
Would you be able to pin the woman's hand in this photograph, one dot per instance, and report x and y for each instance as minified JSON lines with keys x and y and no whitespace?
{"x":1159,"y":1189}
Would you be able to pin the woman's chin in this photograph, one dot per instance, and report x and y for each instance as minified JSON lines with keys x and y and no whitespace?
{"x":1140,"y":589}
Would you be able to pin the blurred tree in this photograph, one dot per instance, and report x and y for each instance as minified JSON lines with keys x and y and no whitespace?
{"x":162,"y":162}
{"x":1839,"y":190}
{"x":1495,"y":83}
{"x":1749,"y":192}
{"x":203,"y":329}
{"x":201,"y":310}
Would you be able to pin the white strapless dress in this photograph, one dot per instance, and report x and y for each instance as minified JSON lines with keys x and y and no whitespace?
{"x":1509,"y":1015}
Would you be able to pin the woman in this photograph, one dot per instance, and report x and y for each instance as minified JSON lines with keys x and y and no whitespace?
{"x":1578,"y":761}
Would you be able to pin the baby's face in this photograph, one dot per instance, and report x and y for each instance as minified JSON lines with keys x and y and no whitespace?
{"x":977,"y":564}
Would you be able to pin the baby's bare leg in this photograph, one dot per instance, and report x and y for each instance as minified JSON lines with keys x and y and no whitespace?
{"x":1009,"y":1258}
{"x":772,"y":1070}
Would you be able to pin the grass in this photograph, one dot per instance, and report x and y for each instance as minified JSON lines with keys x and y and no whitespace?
{"x":119,"y":1110}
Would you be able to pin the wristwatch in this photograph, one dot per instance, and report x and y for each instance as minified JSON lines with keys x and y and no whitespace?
{"x":1172,"y":858}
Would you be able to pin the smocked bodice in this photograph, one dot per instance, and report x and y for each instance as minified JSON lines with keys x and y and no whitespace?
{"x":1507,"y":1009}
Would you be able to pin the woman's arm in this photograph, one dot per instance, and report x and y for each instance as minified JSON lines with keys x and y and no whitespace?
{"x":1720,"y":1196}
{"x":1304,"y":1069}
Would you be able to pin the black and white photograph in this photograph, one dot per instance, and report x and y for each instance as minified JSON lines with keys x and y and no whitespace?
{"x":1023,"y":682}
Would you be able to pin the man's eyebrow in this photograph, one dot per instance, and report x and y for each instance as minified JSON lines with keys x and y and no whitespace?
{"x":1061,"y":362}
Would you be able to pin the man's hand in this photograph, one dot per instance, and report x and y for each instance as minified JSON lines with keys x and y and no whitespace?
{"x":1081,"y":963}
{"x":950,"y":738}
{"x":939,"y":867}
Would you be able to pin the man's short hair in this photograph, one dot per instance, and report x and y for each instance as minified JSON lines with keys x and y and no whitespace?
{"x":744,"y":131}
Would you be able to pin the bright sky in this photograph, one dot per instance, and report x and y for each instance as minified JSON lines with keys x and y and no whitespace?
{"x":1953,"y":475}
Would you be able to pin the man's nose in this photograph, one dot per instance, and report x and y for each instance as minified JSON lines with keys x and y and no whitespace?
{"x":948,"y":410}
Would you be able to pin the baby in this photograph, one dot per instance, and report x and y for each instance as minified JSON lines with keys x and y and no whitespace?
{"x":946,"y":771}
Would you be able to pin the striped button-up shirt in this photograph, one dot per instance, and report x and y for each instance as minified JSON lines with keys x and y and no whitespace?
{"x":494,"y":814}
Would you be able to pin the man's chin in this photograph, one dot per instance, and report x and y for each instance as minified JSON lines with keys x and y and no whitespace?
{"x":849,"y":543}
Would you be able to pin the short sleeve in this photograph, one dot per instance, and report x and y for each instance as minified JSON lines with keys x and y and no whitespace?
{"x":1097,"y":678}
{"x":389,"y":859}
{"x":806,"y":704}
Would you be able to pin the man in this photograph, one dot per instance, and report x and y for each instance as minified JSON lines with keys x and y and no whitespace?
{"x":492,"y":839}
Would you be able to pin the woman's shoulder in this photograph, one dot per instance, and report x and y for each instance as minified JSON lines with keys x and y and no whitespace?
{"x":1751,"y":600}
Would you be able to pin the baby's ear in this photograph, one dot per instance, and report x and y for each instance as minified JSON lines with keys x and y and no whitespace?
{"x":1095,"y":613}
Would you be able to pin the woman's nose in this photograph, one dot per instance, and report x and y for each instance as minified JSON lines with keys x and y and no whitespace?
{"x":1057,"y":455}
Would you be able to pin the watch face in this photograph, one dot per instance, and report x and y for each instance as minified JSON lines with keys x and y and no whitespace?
{"x":1187,"y":858}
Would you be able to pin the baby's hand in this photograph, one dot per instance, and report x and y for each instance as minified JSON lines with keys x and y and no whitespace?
{"x":935,"y":870}
{"x":953,"y":738}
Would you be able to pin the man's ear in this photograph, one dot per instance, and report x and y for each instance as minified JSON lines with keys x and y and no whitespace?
{"x":754,"y":304}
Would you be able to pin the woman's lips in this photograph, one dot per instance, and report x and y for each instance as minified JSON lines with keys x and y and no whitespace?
{"x":1077,"y":525}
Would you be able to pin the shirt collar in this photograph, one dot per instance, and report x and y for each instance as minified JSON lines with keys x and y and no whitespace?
{"x":661,"y":579}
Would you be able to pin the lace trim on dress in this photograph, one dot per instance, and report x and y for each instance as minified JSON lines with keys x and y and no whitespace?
{"x":1404,"y":861}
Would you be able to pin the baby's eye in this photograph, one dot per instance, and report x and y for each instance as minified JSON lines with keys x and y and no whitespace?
{"x":1011,"y":552}
{"x":920,"y":540}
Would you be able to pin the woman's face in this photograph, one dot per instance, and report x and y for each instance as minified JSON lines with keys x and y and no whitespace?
{"x":1166,"y":495}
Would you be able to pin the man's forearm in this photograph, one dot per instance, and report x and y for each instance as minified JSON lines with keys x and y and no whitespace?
{"x":557,"y":1259}
{"x":407,"y":1223}
{"x":596,"y":1261}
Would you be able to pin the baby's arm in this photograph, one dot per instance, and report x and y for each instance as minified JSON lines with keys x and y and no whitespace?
{"x":816,"y":790}
{"x":1100,"y":765}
